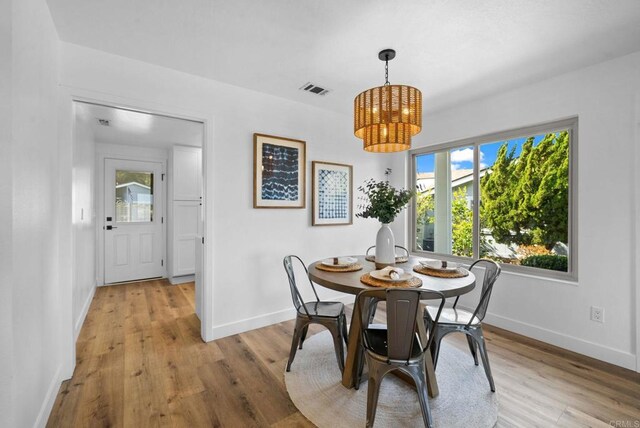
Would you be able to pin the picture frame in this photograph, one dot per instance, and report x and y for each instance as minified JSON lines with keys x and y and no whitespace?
{"x":279,"y":175}
{"x":332,"y":194}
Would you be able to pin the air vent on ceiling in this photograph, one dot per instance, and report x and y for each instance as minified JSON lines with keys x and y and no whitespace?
{"x":314,"y":89}
{"x":103,"y":122}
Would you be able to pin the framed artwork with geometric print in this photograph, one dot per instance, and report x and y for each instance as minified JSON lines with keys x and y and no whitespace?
{"x":278,"y":172}
{"x":332,"y":194}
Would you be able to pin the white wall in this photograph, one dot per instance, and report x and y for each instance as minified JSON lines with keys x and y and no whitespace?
{"x":603,"y":98}
{"x":37,"y":317}
{"x":83,"y":222}
{"x":249,"y":282}
{"x":6,"y":231}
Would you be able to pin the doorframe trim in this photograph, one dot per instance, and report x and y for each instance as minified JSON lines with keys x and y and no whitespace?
{"x":100,"y":209}
{"x":636,"y":225}
{"x":66,"y":135}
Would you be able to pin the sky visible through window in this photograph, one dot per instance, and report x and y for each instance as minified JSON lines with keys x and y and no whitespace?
{"x":463,"y":158}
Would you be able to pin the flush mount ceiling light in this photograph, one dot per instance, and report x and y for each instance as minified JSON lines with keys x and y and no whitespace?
{"x":386,"y":117}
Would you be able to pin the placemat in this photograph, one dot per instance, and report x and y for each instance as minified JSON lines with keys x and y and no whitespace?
{"x":414,"y":282}
{"x":458,"y":273}
{"x":400,"y":259}
{"x":351,"y":268}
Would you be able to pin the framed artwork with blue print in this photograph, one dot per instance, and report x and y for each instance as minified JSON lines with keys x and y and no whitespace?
{"x":332,"y":194}
{"x":278,"y":172}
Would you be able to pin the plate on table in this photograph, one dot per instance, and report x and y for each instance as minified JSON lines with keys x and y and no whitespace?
{"x":342,"y":261}
{"x":384,"y":276}
{"x":437,"y":265}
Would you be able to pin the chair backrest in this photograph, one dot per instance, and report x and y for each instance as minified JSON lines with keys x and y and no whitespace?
{"x":491,"y":272}
{"x":298,"y":302}
{"x":402,"y":314}
{"x":403,"y":250}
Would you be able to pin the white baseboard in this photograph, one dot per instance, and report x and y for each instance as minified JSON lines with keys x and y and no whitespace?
{"x":83,"y":314}
{"x":237,"y":327}
{"x":49,"y":399}
{"x":580,"y":346}
{"x":175,"y":280}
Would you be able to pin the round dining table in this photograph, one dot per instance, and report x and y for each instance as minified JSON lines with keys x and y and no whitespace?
{"x":349,"y":282}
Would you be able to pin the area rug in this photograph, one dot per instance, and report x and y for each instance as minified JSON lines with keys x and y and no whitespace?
{"x":314,"y":385}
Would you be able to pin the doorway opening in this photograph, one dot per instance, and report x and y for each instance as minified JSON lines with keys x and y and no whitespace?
{"x":137,"y":200}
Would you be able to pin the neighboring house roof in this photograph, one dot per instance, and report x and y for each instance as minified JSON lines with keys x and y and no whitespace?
{"x":132,"y":183}
{"x":425,"y":181}
{"x":455,"y":174}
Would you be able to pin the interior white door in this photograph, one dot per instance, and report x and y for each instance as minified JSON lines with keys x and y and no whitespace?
{"x":134,"y":230}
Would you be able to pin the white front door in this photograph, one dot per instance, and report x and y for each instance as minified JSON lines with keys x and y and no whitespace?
{"x":134,"y":229}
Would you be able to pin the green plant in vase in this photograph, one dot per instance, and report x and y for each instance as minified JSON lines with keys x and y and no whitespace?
{"x":383,"y":202}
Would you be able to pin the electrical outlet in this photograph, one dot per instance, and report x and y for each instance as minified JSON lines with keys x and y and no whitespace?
{"x":597,"y":314}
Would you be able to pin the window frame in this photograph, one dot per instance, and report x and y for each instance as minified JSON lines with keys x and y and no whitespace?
{"x":571,"y":126}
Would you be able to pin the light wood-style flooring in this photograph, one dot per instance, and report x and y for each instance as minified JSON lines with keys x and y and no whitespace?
{"x":141,"y":362}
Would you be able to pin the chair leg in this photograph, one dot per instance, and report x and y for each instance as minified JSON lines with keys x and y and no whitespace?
{"x":297,"y":332}
{"x":427,"y":321}
{"x":338,"y":344}
{"x":360,"y":361}
{"x":345,"y":334}
{"x":373,"y":391}
{"x":472,"y":348}
{"x":435,"y":346}
{"x":373,"y":306}
{"x":303,"y":336}
{"x":418,"y":375}
{"x":377,"y":371}
{"x":482,"y":349}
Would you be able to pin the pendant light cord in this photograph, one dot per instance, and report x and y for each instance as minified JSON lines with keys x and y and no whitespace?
{"x":386,"y":71}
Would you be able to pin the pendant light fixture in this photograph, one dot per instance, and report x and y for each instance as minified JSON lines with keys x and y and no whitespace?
{"x":386,"y":117}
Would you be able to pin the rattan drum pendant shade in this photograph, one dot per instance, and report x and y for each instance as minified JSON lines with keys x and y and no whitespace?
{"x":386,"y":117}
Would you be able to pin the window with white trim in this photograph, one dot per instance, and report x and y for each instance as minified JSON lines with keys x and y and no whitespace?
{"x":508,"y":196}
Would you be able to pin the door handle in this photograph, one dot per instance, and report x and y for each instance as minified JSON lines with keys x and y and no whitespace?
{"x":111,"y":227}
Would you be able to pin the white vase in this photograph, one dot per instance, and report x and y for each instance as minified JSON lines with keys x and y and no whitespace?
{"x":385,"y":247}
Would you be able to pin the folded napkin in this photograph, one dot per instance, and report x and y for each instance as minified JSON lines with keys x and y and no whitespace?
{"x":392,"y":272}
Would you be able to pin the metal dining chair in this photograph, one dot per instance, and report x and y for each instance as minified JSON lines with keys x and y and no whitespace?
{"x":470,"y":323}
{"x":399,"y":250}
{"x":399,"y":346}
{"x":329,"y":314}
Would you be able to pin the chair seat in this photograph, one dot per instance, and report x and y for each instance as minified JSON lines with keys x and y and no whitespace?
{"x":376,"y":339}
{"x":323,"y":309}
{"x":452,"y":316}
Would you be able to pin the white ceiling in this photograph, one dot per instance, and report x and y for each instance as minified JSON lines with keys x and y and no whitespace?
{"x":133,"y":128}
{"x":453,"y":50}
